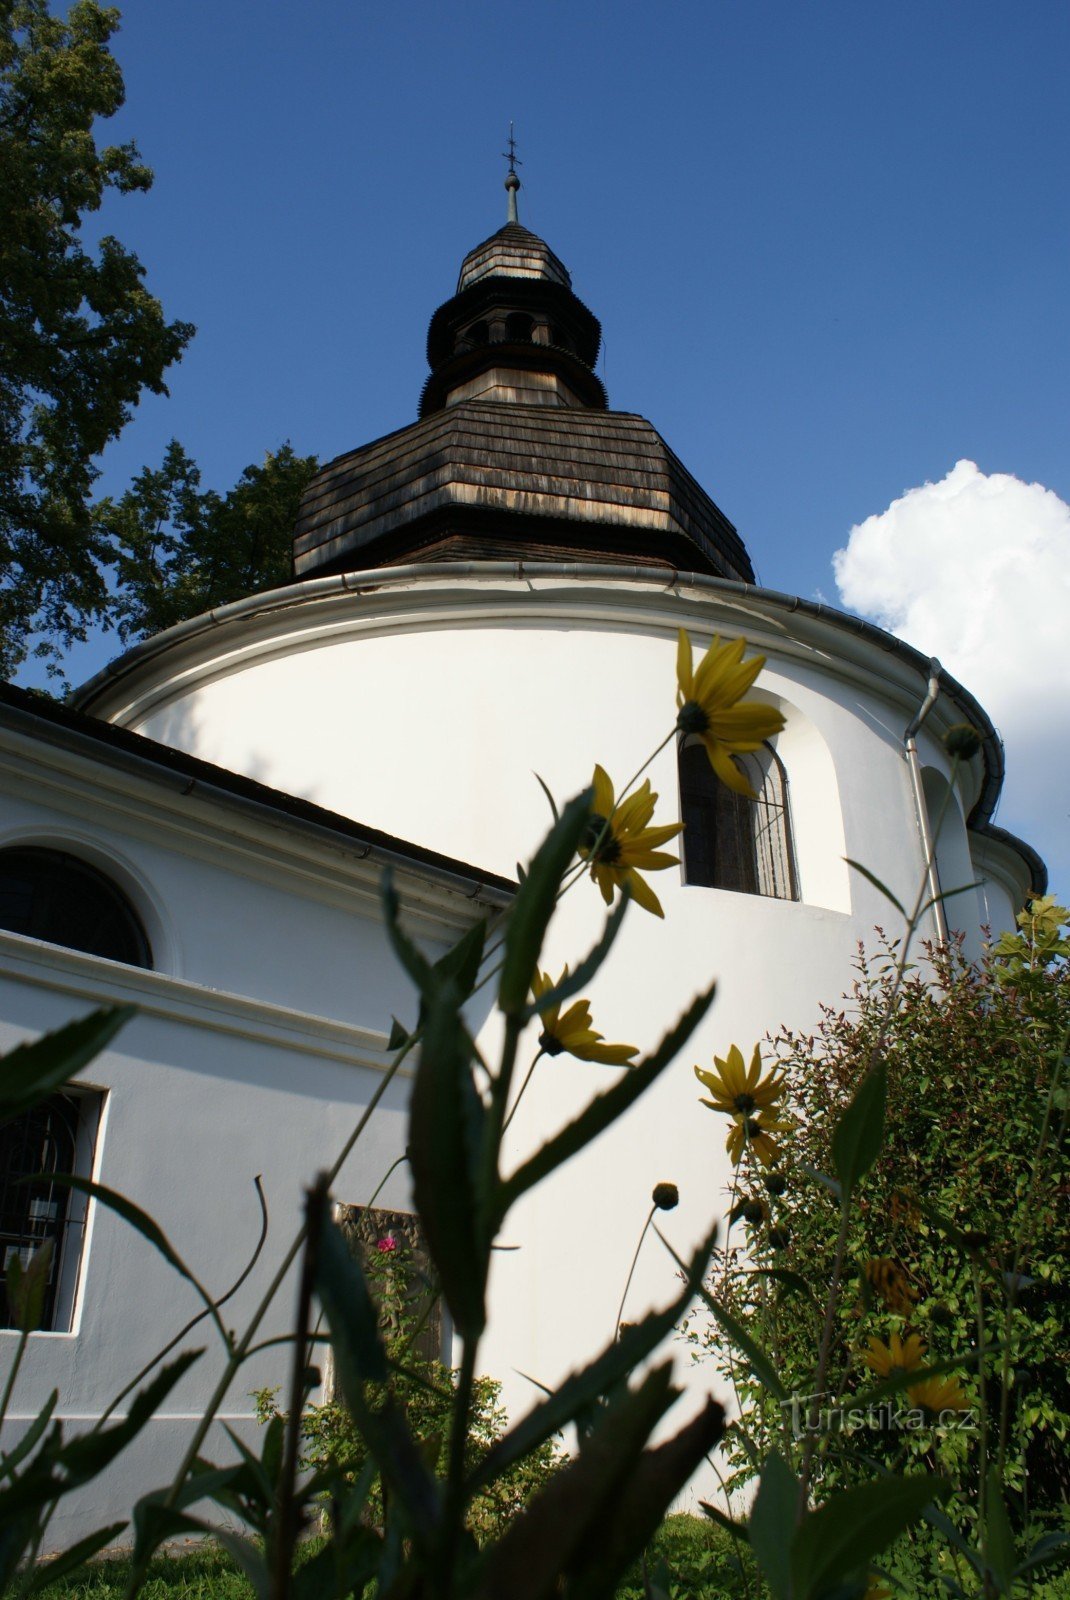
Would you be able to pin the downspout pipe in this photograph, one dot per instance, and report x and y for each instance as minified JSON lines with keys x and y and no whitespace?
{"x":928,"y":844}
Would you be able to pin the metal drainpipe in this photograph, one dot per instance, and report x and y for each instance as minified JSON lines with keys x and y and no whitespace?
{"x":910,"y":746}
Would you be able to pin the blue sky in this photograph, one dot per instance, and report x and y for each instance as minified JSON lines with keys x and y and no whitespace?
{"x":829,"y":244}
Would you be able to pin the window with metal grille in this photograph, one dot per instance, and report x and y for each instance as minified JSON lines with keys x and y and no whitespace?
{"x":49,"y":894}
{"x":58,"y":1136}
{"x":730,"y":842}
{"x":374,"y":1234}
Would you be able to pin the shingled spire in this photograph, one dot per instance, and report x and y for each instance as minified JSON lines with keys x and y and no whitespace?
{"x":516,"y":452}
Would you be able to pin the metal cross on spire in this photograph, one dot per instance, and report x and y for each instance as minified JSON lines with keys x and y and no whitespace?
{"x":512,"y":181}
{"x":510,"y":155}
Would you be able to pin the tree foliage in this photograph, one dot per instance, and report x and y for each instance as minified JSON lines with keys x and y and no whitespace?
{"x":82,"y":337}
{"x":180,"y":550}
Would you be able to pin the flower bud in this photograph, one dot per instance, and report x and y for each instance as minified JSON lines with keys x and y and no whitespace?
{"x":778,"y":1237}
{"x":755,"y":1210}
{"x":665,"y":1196}
{"x":775,"y":1182}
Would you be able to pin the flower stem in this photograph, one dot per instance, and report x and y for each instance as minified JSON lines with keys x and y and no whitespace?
{"x":631,"y":1272}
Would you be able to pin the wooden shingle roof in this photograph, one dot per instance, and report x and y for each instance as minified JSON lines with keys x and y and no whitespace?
{"x":522,"y":479}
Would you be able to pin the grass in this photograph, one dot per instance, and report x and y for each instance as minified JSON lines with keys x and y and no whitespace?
{"x":697,"y":1555}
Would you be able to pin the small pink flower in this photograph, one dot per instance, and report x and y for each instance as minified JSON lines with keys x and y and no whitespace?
{"x":386,"y":1245}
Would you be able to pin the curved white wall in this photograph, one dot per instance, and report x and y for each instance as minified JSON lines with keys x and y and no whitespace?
{"x":425,"y":709}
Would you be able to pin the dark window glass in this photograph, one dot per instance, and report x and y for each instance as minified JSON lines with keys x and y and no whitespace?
{"x":478,"y":333}
{"x":34,"y":1147}
{"x":51,"y":895}
{"x":730,"y":842}
{"x":519,"y":328}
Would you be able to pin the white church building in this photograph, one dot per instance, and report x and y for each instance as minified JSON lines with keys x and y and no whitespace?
{"x":491,"y":592}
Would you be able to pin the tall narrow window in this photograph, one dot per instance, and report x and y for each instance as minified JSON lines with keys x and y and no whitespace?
{"x":730,"y":842}
{"x":52,"y":895}
{"x":56,"y":1137}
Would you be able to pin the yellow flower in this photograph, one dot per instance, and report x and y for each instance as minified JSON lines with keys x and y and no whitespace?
{"x":626,"y":842}
{"x":939,"y":1394}
{"x":898,"y":1355}
{"x":710,"y":705}
{"x":736,"y":1087}
{"x":572,"y":1033}
{"x":754,"y":1133}
{"x":888,"y":1281}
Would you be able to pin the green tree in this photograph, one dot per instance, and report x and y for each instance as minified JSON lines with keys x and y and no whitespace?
{"x":82,"y":338}
{"x":179,"y":551}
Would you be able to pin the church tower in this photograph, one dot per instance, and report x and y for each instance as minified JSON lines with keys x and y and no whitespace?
{"x":516,"y":453}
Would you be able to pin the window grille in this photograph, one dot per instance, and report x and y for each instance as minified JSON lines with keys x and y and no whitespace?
{"x":51,"y":895}
{"x":367,"y":1229}
{"x":730,"y":842}
{"x":55,"y":1137}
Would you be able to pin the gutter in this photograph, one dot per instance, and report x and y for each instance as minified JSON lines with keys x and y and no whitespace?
{"x":340,"y":584}
{"x":928,"y":843}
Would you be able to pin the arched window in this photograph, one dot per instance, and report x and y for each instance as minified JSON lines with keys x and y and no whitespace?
{"x":730,"y":842}
{"x":478,"y":333}
{"x":51,"y":895}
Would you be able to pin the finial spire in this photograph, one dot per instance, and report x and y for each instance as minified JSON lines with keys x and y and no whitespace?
{"x":512,"y":181}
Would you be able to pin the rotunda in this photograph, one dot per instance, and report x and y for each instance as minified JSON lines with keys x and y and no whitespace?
{"x":497,"y":590}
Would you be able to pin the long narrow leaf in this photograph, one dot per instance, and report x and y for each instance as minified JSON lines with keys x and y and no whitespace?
{"x":759,"y":1363}
{"x":444,"y":1139}
{"x":12,"y":1458}
{"x":882,"y":888}
{"x":859,"y":1134}
{"x":587,"y":968}
{"x":603,"y":1374}
{"x":840,"y":1540}
{"x":534,"y":905}
{"x":50,"y":1572}
{"x":605,"y":1108}
{"x":30,"y":1072}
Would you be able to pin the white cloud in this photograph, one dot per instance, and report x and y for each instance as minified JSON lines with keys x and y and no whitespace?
{"x":975,"y":569}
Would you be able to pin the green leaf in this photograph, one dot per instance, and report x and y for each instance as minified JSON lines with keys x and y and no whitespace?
{"x":563,"y":1527}
{"x":10,"y":1460}
{"x":738,"y":1530}
{"x":27,"y":1286}
{"x":399,"y":1036}
{"x":587,"y":968}
{"x":1044,"y":1549}
{"x":361,"y":1360}
{"x":947,"y":894}
{"x":794,"y":1281}
{"x":878,"y":885}
{"x":859,"y":1134}
{"x":759,"y":1363}
{"x":772,"y":1524}
{"x":582,"y":1389}
{"x":461,"y":964}
{"x":1001,"y":1552}
{"x":31,"y":1072}
{"x":75,"y":1556}
{"x":349,"y":1309}
{"x":546,"y":791}
{"x":445,"y":1134}
{"x":840,"y":1540}
{"x":535,"y":901}
{"x":138,"y":1219}
{"x":412,"y":959}
{"x":86,"y":1456}
{"x":606,"y":1107}
{"x":823,"y":1178}
{"x":249,"y":1558}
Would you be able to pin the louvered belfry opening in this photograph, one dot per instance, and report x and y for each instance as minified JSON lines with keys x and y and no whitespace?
{"x":730,"y":842}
